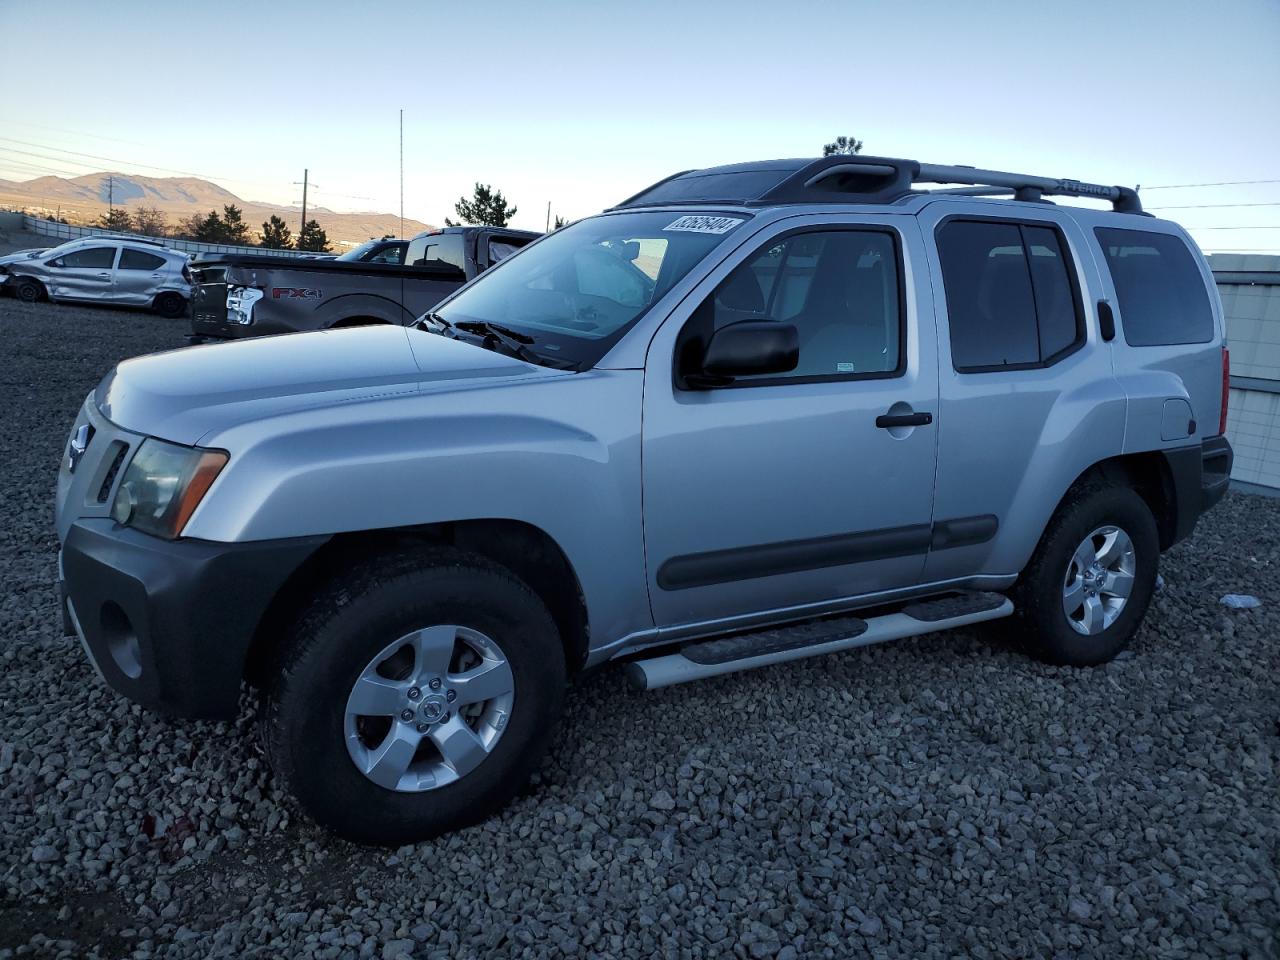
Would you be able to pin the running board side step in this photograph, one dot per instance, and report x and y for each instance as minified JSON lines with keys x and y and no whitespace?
{"x":747,"y":651}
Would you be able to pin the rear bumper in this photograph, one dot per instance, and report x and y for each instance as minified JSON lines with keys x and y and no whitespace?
{"x":1200,"y":477}
{"x":168,"y":624}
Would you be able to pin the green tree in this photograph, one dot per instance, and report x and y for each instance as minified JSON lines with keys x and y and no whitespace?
{"x":149,"y":222}
{"x":313,"y":239}
{"x":117,"y":219}
{"x":275,"y":235}
{"x":842,"y":146}
{"x":234,"y":229}
{"x":211,"y":229}
{"x":486,"y":208}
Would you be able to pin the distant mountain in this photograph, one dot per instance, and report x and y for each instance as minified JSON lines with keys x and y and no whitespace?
{"x":85,"y":199}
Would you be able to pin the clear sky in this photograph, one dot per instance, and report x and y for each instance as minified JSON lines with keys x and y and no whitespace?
{"x":581,"y":104}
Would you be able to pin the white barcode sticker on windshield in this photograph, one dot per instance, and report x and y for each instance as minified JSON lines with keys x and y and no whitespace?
{"x":703,"y":224}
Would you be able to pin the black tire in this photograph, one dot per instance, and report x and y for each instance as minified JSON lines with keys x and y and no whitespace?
{"x":1040,"y":624}
{"x":29,"y":290}
{"x":171,"y":305}
{"x":337,"y":636}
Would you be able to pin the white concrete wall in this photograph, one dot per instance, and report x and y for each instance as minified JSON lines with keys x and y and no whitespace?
{"x":1253,"y":335}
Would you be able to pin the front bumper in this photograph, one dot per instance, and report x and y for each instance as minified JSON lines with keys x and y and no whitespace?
{"x":168,"y":624}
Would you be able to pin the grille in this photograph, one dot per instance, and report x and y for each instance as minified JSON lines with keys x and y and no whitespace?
{"x":110,"y":478}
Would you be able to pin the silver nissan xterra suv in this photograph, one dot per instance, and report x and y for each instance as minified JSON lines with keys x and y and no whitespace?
{"x":808,"y":393}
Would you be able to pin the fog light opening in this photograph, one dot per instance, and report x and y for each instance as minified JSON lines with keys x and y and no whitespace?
{"x":122,"y":640}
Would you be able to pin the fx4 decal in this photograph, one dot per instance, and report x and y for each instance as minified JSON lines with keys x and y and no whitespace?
{"x":296,"y":293}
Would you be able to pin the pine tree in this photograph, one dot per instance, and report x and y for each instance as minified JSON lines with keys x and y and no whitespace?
{"x":233,"y":225}
{"x":313,"y":239}
{"x":275,"y":235}
{"x":117,"y":219}
{"x":560,"y":222}
{"x":487,"y":208}
{"x":211,"y":229}
{"x":842,"y":146}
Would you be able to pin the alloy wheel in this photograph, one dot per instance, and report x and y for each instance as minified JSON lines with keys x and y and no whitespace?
{"x":429,"y":708}
{"x":1099,"y":579}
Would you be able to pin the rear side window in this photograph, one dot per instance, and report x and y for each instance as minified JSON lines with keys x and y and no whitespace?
{"x":1011,"y":302}
{"x":92,"y":257}
{"x":138,"y":260}
{"x":1162,"y":295}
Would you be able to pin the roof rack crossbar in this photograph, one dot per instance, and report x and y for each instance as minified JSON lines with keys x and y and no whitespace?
{"x":1123,"y":199}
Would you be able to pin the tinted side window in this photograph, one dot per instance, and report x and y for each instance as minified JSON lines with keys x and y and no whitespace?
{"x":93,"y":257}
{"x":138,"y":260}
{"x":387,"y":254}
{"x":990,"y":306}
{"x":442,"y":246}
{"x":449,"y":249}
{"x":1056,"y":314}
{"x":1162,"y":296}
{"x":1010,"y":301}
{"x":840,"y":290}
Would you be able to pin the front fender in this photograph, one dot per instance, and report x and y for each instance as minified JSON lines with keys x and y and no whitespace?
{"x":561,"y":454}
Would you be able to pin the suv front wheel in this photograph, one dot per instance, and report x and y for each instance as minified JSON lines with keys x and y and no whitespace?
{"x":1083,"y":595}
{"x":416,"y":696}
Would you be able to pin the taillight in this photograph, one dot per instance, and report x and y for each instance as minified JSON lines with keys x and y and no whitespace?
{"x":1226,"y":390}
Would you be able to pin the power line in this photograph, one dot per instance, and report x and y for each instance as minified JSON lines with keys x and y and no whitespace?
{"x":1220,"y":183}
{"x":1232,"y":228}
{"x":46,"y":168}
{"x":94,"y":156}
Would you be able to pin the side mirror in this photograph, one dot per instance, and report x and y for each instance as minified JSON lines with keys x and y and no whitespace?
{"x":749,"y":347}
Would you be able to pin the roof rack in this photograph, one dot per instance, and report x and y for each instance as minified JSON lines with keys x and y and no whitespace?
{"x":859,"y":179}
{"x":1024,"y":186}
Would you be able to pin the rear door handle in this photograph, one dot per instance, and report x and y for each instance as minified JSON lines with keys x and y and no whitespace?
{"x":887,"y":420}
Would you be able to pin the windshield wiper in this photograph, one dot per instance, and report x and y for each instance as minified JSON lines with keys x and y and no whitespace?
{"x":438,"y":323}
{"x":513,"y":341}
{"x":485,"y":328}
{"x":490,"y":336}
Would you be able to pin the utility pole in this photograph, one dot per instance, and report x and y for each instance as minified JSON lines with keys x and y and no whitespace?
{"x":548,"y":230}
{"x":402,"y":173}
{"x":305,"y":173}
{"x":111,"y":195}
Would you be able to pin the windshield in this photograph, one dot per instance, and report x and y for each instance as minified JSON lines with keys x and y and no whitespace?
{"x":577,"y":291}
{"x":357,"y":253}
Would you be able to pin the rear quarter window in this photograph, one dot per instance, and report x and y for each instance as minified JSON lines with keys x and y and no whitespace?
{"x":1161,"y":294}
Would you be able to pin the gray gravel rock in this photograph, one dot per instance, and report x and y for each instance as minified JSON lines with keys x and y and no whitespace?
{"x":940,"y":796}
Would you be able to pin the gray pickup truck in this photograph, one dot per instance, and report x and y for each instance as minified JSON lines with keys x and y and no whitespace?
{"x":251,"y":295}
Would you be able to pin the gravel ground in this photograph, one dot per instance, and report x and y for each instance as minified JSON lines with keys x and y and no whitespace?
{"x":939,"y":796}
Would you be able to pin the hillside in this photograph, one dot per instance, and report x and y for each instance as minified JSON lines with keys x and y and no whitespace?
{"x":84,"y":199}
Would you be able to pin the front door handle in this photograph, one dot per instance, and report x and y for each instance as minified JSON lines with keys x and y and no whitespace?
{"x":887,"y":420}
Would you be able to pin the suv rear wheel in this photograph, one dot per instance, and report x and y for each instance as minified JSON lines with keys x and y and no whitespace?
{"x":1083,"y":595}
{"x":415,"y":696}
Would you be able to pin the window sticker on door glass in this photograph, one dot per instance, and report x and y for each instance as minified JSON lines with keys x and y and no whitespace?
{"x":703,"y":224}
{"x":845,"y":368}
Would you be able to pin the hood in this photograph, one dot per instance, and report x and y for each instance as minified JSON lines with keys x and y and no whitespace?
{"x":184,"y":394}
{"x":22,"y":255}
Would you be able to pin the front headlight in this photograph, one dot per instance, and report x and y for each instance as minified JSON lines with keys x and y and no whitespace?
{"x":240,"y":301}
{"x":163,"y":486}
